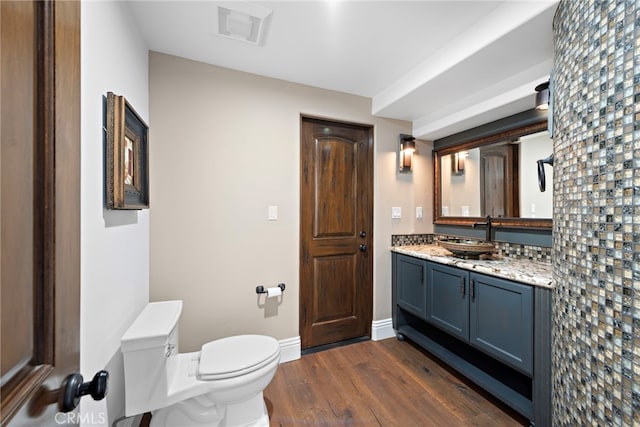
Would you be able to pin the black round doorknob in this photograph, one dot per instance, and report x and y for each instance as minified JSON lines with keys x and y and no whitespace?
{"x":363,"y":248}
{"x":363,"y":234}
{"x":73,"y":388}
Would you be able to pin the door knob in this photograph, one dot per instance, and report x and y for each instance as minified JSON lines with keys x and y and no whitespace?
{"x":363,"y":234}
{"x":73,"y":388}
{"x":363,"y":248}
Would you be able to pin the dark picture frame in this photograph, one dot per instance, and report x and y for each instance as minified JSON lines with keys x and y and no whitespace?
{"x":127,"y":156}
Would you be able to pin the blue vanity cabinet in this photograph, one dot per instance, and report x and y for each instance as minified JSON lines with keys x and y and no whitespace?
{"x":492,"y":330}
{"x":501,"y":320}
{"x":411,"y":285}
{"x":448,"y":299}
{"x":492,"y":314}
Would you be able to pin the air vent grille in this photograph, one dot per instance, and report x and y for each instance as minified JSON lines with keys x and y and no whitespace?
{"x":241,"y":21}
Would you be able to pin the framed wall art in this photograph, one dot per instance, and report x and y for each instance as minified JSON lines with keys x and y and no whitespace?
{"x":127,"y":156}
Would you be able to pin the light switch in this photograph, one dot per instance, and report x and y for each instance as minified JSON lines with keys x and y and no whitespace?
{"x":273,"y":213}
{"x":419,"y":212}
{"x":396,"y":212}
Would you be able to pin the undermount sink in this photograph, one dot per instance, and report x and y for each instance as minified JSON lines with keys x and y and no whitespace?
{"x":467,"y":248}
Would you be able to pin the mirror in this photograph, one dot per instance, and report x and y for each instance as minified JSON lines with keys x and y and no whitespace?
{"x":496,"y":175}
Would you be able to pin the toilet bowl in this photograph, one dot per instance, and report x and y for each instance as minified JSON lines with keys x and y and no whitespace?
{"x":219,"y":386}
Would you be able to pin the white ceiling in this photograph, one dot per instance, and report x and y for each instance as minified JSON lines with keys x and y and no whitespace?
{"x":445,"y":66}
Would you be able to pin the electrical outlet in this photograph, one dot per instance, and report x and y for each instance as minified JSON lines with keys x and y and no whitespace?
{"x":396,"y":212}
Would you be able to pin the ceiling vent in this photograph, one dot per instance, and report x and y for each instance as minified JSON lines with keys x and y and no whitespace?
{"x":242,"y":21}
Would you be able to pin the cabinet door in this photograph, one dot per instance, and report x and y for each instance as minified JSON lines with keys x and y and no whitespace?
{"x":447,"y":299}
{"x":501,"y":321}
{"x":410,"y":280}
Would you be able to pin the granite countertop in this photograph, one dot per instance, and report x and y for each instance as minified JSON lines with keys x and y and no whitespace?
{"x":531,"y":272}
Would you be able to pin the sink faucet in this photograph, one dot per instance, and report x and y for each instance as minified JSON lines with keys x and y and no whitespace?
{"x":487,"y":225}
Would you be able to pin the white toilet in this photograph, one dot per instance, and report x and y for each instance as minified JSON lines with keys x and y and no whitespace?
{"x":221,"y":385}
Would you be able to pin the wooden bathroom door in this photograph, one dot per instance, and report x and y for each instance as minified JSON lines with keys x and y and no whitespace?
{"x":336,"y":227}
{"x":499,"y":185}
{"x":40,"y":204}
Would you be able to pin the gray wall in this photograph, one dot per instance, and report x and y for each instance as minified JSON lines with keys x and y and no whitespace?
{"x":224,"y":146}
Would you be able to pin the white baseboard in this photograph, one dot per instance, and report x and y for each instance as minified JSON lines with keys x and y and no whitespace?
{"x":382,"y":329}
{"x":290,"y":349}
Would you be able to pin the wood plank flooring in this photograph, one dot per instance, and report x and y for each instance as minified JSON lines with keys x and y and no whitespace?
{"x":379,"y":383}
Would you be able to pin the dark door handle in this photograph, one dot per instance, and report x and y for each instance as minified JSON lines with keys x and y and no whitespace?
{"x":363,"y":248}
{"x":73,"y":388}
{"x":363,"y":234}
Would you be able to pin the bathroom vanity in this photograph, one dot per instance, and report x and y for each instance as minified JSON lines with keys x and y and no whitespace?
{"x":489,"y":319}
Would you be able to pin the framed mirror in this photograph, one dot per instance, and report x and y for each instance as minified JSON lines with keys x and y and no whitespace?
{"x":495,"y":174}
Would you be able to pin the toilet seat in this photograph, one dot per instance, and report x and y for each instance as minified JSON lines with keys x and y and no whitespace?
{"x":234,"y":356}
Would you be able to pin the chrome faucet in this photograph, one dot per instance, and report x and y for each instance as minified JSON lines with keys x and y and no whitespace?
{"x":487,"y":225}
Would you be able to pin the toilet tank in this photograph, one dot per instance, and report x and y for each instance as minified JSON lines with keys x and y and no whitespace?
{"x":148,"y":348}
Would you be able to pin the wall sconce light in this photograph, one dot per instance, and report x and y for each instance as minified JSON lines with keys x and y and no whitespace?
{"x":457,"y":163}
{"x":542,"y":96}
{"x":406,"y":148}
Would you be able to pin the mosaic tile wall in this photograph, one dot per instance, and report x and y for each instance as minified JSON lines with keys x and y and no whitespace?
{"x":411,"y":239}
{"x":514,"y":250}
{"x":511,"y":250}
{"x":596,"y":221}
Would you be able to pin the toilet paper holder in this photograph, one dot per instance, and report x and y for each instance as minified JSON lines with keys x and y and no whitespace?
{"x":261,"y":290}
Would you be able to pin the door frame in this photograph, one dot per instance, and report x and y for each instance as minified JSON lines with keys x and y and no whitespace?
{"x":368,"y":318}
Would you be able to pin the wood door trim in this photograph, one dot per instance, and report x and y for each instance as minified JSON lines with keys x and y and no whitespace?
{"x":21,"y":388}
{"x":66,"y":252}
{"x":339,"y":122}
{"x":44,"y":184}
{"x":18,"y":389}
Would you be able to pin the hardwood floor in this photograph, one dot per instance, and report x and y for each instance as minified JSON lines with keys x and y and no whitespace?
{"x":379,"y":383}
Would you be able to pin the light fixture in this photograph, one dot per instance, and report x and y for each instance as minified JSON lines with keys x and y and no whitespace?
{"x":406,"y":147}
{"x":457,"y":163}
{"x":542,"y":96}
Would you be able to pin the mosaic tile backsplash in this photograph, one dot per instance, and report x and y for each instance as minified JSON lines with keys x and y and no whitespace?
{"x":510,"y":250}
{"x":596,"y":220}
{"x":411,"y":239}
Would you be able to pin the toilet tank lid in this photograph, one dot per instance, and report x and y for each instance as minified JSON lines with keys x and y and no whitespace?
{"x":153,"y":326}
